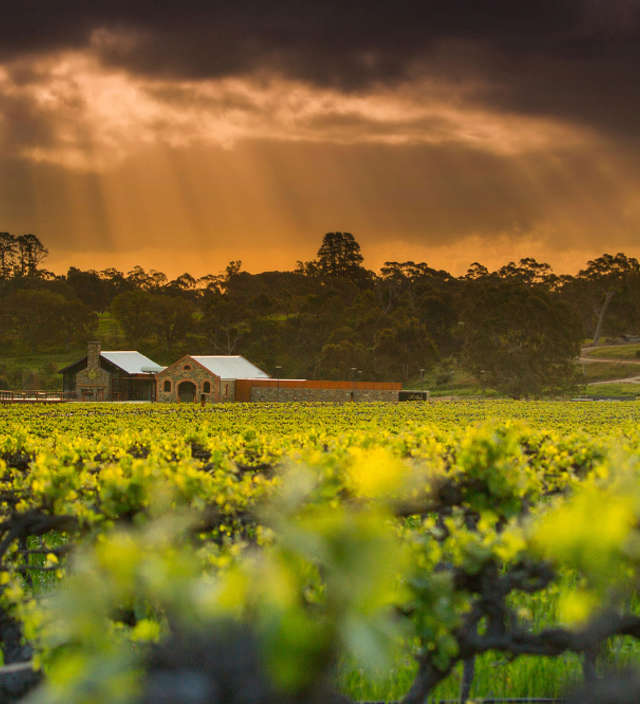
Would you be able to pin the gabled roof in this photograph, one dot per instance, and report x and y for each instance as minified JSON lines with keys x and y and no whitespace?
{"x":131,"y":361}
{"x":230,"y":366}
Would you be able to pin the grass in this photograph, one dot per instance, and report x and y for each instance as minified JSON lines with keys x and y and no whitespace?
{"x":496,"y":676}
{"x":449,"y":380}
{"x":621,"y":390}
{"x":601,"y":371}
{"x":36,"y":370}
{"x":614,"y":351}
{"x":110,"y":332}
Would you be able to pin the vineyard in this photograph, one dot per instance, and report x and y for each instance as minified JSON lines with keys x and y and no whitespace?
{"x":319,"y":553}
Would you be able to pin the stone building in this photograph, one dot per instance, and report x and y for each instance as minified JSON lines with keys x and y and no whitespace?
{"x":120,"y":375}
{"x":128,"y":375}
{"x":205,"y":377}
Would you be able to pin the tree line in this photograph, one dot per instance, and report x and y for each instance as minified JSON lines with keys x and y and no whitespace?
{"x":517,"y":329}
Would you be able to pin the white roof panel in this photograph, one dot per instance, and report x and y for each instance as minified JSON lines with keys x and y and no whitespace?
{"x":230,"y":366}
{"x":131,"y":361}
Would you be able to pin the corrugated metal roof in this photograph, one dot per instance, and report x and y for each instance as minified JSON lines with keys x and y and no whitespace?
{"x":131,"y":361}
{"x":230,"y":366}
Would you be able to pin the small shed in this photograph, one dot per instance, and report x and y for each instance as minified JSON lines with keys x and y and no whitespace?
{"x":205,"y":377}
{"x":113,"y":375}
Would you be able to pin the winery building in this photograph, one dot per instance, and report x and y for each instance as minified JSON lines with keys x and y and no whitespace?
{"x":205,"y":378}
{"x":128,"y":375}
{"x":119,"y":375}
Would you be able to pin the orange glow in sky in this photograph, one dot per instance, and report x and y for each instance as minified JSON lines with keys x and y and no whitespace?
{"x":114,"y":165}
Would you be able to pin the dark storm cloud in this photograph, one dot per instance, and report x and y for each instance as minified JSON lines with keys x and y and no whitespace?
{"x":572,"y":59}
{"x":424,"y":124}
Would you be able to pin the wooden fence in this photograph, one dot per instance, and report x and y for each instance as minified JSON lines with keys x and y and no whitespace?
{"x":33,"y":396}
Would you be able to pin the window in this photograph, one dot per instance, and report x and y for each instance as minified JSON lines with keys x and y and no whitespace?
{"x":206,"y":387}
{"x":187,"y":367}
{"x":167,"y":386}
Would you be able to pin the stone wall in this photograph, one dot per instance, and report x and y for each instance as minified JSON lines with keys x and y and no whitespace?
{"x":316,"y":390}
{"x":273,"y":393}
{"x":93,"y":383}
{"x":93,"y":354}
{"x":221,"y":390}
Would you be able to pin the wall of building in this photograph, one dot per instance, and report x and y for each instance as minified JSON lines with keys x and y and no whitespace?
{"x":265,"y":393}
{"x":227,"y":390}
{"x":312,"y":390}
{"x":197,"y":375}
{"x":126,"y":387}
{"x":93,"y":383}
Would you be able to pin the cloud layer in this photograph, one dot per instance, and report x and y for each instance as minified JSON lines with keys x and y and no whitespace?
{"x":564,"y":58}
{"x":67,"y":108}
{"x":262,"y":125}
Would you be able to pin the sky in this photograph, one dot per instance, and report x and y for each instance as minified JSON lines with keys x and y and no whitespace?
{"x":179,"y":136}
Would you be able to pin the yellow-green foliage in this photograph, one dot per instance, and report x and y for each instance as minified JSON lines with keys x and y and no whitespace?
{"x":335,"y":531}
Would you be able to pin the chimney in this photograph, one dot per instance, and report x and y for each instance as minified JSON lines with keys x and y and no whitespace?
{"x":93,"y":355}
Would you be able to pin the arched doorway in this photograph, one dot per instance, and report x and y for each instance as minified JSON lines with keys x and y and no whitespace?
{"x":186,"y":391}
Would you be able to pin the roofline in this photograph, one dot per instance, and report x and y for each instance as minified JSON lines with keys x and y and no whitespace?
{"x":224,"y":356}
{"x":73,"y":364}
{"x":230,"y":356}
{"x":191,"y":358}
{"x":195,"y":361}
{"x":114,"y":364}
{"x":85,"y":359}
